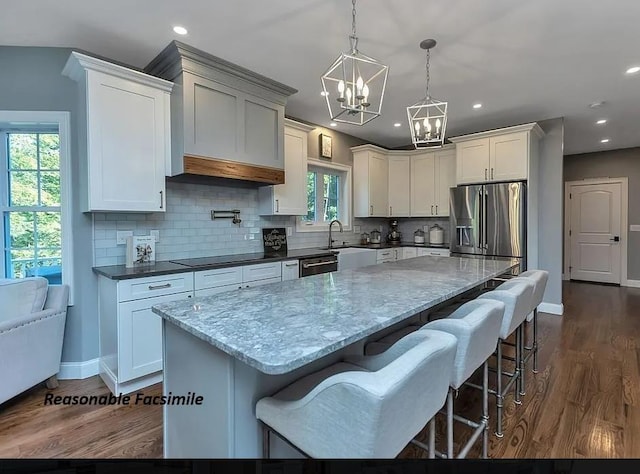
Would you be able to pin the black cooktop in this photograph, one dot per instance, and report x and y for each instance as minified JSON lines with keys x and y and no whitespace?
{"x":208,"y":261}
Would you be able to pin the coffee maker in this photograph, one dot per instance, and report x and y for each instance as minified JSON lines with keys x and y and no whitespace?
{"x":394,"y":237}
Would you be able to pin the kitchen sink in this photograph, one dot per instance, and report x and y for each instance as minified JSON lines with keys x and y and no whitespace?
{"x":351,"y":257}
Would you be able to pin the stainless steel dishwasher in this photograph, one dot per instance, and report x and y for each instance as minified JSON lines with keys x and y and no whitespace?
{"x":316,"y":265}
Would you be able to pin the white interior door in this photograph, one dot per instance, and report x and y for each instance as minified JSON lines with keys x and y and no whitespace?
{"x":595,"y":231}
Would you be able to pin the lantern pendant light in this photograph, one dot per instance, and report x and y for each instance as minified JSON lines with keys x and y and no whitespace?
{"x":354,"y":84}
{"x":428,"y":118}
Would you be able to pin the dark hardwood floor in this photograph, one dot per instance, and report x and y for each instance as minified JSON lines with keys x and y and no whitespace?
{"x":584,"y":402}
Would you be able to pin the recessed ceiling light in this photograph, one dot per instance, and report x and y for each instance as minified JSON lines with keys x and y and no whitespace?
{"x":633,"y":70}
{"x":397,"y":124}
{"x":604,"y":140}
{"x":324,"y":93}
{"x":601,"y":121}
{"x":181,"y":30}
{"x":333,"y":124}
{"x":595,"y":105}
{"x":477,"y":106}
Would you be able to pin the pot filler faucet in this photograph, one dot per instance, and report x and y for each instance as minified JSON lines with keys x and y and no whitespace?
{"x":330,"y":225}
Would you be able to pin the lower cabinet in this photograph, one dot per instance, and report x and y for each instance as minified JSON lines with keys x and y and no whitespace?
{"x":434,"y":252}
{"x":219,"y":280}
{"x":130,"y":333}
{"x":409,"y":252}
{"x":290,"y":270}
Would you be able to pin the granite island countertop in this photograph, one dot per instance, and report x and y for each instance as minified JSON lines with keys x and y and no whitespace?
{"x":280,"y":327}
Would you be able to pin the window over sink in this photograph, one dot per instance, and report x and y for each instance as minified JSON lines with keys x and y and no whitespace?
{"x":328,"y":196}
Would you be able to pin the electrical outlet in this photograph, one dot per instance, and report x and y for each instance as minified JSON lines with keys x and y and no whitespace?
{"x":252,"y":236}
{"x":356,"y":229}
{"x":121,"y":236}
{"x":156,"y":234}
{"x":289,"y":231}
{"x":634,"y":228}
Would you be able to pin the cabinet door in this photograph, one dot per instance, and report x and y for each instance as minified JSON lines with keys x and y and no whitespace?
{"x":261,"y":271}
{"x":140,"y":337}
{"x":409,"y":252}
{"x":266,"y":281}
{"x":217,"y":290}
{"x":262,"y":132}
{"x":378,"y":185}
{"x":423,"y":190}
{"x":128,"y":142}
{"x":472,"y":161}
{"x":290,"y":270}
{"x":433,"y":252}
{"x":290,"y":198}
{"x":218,"y":277}
{"x":399,"y":184}
{"x":445,"y":178}
{"x":509,"y":157}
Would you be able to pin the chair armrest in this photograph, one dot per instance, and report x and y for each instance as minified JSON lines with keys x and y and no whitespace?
{"x":57,"y":297}
{"x":23,"y":320}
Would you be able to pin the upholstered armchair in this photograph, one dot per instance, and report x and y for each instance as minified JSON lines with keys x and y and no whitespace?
{"x":32,"y":318}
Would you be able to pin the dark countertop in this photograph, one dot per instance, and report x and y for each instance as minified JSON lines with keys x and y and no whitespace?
{"x":120,"y":272}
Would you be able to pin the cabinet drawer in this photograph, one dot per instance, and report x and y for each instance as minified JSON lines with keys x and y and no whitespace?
{"x":216,"y":290}
{"x":218,"y":277}
{"x":409,"y":252}
{"x":433,"y":252}
{"x":149,"y":287}
{"x":261,"y":271}
{"x":385,"y":254}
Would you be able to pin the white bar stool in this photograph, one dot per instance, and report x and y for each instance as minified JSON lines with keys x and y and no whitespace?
{"x":476,"y":325}
{"x":539,"y":278}
{"x":516,"y":296}
{"x":360,"y":411}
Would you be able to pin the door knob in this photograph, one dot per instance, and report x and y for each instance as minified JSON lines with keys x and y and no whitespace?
{"x":616,"y":238}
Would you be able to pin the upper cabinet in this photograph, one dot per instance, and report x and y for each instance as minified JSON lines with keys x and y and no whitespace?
{"x":226,"y":121}
{"x":399,"y":183}
{"x":370,"y":182}
{"x":432,"y":174}
{"x":125,"y":134}
{"x":497,"y":155}
{"x":290,"y":198}
{"x":402,"y":183}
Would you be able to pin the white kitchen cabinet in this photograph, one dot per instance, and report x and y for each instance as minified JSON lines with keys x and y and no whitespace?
{"x":220,"y":280}
{"x":370,"y":182}
{"x":290,"y":198}
{"x":409,"y":252}
{"x":432,"y":174}
{"x":434,"y":252}
{"x":226,"y":121}
{"x":386,"y":255}
{"x":399,"y":186}
{"x":130,"y":333}
{"x":125,"y":133}
{"x":290,"y":270}
{"x":496,"y":155}
{"x":261,"y":271}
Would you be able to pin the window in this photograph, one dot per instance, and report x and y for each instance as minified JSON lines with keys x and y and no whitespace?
{"x":328,"y":196}
{"x":34,"y":227}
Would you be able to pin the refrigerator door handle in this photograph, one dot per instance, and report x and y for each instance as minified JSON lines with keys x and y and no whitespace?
{"x":485,"y":209}
{"x":480,"y":220}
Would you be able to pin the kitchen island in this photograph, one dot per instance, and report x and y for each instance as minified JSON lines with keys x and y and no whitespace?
{"x":234,"y":348}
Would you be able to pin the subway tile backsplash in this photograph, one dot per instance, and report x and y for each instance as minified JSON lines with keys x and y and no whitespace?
{"x":187,"y":231}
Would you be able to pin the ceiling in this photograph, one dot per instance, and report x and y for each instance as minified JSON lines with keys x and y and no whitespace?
{"x":523,"y":60}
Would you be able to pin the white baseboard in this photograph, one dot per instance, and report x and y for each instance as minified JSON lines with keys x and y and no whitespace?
{"x":633,"y":283}
{"x":551,"y":308}
{"x":79,"y":370}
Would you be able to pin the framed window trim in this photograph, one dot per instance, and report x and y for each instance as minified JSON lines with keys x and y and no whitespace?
{"x":345,"y":192}
{"x":48,"y":119}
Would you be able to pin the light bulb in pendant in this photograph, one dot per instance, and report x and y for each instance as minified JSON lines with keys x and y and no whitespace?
{"x":349,"y":95}
{"x":365,"y":96}
{"x":438,"y":123}
{"x":417,"y":127}
{"x":340,"y":91}
{"x":427,"y":125}
{"x":359,"y":84}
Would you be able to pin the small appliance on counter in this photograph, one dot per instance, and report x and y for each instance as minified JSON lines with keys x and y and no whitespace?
{"x":436,"y":235}
{"x":365,"y":239}
{"x":376,"y":237}
{"x":394,"y":237}
{"x":418,"y":236}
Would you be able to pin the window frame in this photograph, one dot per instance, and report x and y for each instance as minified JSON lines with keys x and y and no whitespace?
{"x":33,"y":121}
{"x":344,"y":171}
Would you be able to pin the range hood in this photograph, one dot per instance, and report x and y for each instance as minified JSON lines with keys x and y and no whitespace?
{"x":227,"y":122}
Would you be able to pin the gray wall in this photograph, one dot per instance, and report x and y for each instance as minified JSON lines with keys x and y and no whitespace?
{"x":550,"y":207}
{"x":30,"y":79}
{"x":614,"y":164}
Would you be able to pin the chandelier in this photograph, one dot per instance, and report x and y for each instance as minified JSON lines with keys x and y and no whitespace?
{"x":354,"y":84}
{"x":427,"y":118}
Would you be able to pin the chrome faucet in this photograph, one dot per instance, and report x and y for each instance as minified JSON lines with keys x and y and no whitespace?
{"x":330,"y":225}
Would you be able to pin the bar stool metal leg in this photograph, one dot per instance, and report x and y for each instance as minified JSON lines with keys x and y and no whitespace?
{"x":499,"y":397}
{"x":485,"y":408}
{"x":266,"y":442}
{"x":432,"y":438}
{"x":535,"y":341}
{"x":518,"y":374}
{"x":450,"y":423}
{"x":521,"y":360}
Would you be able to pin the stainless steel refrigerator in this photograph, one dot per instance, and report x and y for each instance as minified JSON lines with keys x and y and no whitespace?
{"x":489,"y":219}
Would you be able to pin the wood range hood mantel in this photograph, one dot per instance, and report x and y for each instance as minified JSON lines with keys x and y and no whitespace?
{"x":226,"y":121}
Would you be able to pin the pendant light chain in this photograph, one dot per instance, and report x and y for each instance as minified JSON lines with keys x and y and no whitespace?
{"x":353,"y":38}
{"x":428,"y":75}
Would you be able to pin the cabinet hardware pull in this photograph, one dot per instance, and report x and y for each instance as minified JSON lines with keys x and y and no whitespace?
{"x":290,"y":264}
{"x":485,"y":174}
{"x":161,"y":200}
{"x":491,"y":173}
{"x":436,"y":209}
{"x":431,"y":209}
{"x":391,"y":210}
{"x":371,"y":212}
{"x":318,"y":264}
{"x":277,"y":205}
{"x":160,"y":287}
